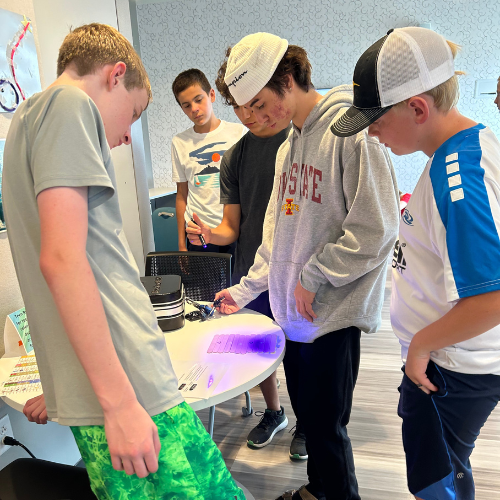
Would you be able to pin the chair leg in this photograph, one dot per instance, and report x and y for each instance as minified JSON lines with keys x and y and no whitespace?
{"x":247,"y":410}
{"x":211,"y":417}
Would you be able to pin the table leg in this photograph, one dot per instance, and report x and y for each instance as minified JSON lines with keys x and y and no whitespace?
{"x":247,"y":410}
{"x":211,"y":417}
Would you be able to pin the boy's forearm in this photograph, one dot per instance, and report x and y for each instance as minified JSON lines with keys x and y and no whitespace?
{"x":228,"y":230}
{"x":471,"y":317}
{"x":74,"y":289}
{"x":224,"y":234}
{"x":180,"y":209}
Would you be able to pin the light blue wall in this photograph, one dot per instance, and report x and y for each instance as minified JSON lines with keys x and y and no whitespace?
{"x":180,"y":34}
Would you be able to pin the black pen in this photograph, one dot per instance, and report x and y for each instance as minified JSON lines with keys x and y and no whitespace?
{"x":202,"y":240}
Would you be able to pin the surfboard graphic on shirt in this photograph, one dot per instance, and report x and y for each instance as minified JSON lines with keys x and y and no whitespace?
{"x":208,"y":157}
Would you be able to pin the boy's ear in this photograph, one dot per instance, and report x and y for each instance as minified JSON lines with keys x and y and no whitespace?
{"x":212,"y":95}
{"x":419,"y":108}
{"x":116,"y":74}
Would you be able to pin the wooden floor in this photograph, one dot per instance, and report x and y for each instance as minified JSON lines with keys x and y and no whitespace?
{"x":375,"y":431}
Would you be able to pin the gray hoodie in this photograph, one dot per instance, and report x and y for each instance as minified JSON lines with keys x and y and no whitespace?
{"x":331,"y":222}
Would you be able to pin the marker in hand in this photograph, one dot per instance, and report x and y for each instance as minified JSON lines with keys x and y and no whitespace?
{"x":202,"y":240}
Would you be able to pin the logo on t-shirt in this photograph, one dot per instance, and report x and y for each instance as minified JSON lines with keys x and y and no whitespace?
{"x":208,"y":157}
{"x":407,"y":218}
{"x":289,"y":207}
{"x":398,"y":260}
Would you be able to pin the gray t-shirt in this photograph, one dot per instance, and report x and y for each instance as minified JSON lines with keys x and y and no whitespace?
{"x":57,"y":138}
{"x":246,"y":178}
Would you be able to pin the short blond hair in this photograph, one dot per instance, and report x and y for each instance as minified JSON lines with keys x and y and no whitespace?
{"x":446,"y":94}
{"x":92,"y":46}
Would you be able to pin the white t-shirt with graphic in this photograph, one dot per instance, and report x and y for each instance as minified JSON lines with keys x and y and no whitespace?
{"x":449,"y":247}
{"x":196,"y":159}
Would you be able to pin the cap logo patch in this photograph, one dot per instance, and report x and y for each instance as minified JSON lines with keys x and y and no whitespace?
{"x":237,"y":79}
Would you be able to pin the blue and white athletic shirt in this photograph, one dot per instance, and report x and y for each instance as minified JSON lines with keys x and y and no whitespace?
{"x":449,"y":247}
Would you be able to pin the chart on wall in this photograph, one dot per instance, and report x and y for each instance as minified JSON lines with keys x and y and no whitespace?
{"x":19,"y":74}
{"x":2,"y":220}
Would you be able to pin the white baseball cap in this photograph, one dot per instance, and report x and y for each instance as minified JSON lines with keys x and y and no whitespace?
{"x":252,"y":63}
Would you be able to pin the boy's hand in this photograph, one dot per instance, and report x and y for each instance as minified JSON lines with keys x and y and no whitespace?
{"x":303,"y":300}
{"x":228,"y":305}
{"x":416,"y":366}
{"x":35,"y":410}
{"x":193,"y":230}
{"x":133,"y":439}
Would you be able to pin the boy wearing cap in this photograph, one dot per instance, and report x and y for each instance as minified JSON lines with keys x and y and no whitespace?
{"x":196,"y":156}
{"x":103,"y":362}
{"x":247,"y":174}
{"x":445,"y":305}
{"x":329,"y":227}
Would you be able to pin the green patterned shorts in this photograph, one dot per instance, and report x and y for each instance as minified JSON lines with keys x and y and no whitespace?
{"x":190,"y":465}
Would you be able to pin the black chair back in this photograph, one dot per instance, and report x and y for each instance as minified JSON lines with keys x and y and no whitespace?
{"x":31,"y":478}
{"x":202,"y":273}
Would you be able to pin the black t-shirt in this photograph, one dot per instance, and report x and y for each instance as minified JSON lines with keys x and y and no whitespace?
{"x":246,"y":178}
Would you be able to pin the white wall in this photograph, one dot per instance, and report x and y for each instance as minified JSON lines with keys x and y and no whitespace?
{"x":51,"y":442}
{"x":179,"y":34}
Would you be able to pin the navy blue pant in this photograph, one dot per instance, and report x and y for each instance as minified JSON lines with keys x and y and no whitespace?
{"x":320,"y":379}
{"x":440,"y":429}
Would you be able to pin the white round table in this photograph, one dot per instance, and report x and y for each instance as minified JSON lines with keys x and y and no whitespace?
{"x":190,"y":344}
{"x":245,"y":371}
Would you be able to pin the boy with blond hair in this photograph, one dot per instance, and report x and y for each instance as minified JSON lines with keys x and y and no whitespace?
{"x":445,"y":305}
{"x":103,"y":361}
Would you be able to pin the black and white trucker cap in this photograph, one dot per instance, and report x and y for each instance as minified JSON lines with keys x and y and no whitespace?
{"x":404,"y":63}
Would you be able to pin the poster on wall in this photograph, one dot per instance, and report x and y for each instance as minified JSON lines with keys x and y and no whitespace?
{"x":19,"y":74}
{"x":2,"y":220}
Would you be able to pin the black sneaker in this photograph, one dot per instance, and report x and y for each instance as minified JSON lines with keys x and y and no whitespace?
{"x":271,"y":422}
{"x":298,"y":445}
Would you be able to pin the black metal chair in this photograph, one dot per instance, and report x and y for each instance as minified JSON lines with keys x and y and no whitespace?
{"x":30,"y":478}
{"x":203,"y":274}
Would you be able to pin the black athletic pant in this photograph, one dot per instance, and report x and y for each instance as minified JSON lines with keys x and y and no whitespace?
{"x":320,"y":379}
